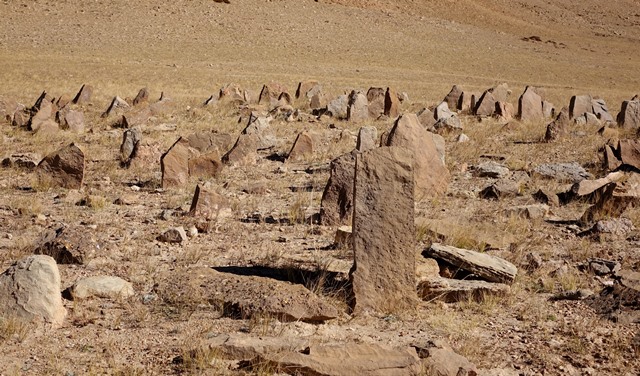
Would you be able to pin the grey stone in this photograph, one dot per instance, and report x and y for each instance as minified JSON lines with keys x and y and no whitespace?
{"x":102,"y":287}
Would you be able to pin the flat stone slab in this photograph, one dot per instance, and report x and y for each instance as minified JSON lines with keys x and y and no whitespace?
{"x":490,"y":268}
{"x":455,"y":290}
{"x":245,"y":296}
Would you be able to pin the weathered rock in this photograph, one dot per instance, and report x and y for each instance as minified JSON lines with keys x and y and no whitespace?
{"x":375,"y":93}
{"x":43,"y":115}
{"x":467,"y":102}
{"x":344,"y":237}
{"x":130,"y":141}
{"x":73,"y":121}
{"x":336,"y":206}
{"x":271,"y":91}
{"x":441,"y":360}
{"x":337,"y":108}
{"x":302,"y":147}
{"x":586,"y":120}
{"x":629,"y":152}
{"x":358,"y":108}
{"x":243,"y":347}
{"x":345,"y":360}
{"x":136,"y":117}
{"x":391,"y":103}
{"x":245,"y":296}
{"x":21,"y":118}
{"x":580,"y":104}
{"x":615,"y":227}
{"x":559,"y":127}
{"x":611,"y":160}
{"x":367,"y":138}
{"x":205,"y":165}
{"x":504,"y":111}
{"x":530,"y":106}
{"x":67,"y":245}
{"x":207,"y":203}
{"x":244,"y":152}
{"x":487,"y":267}
{"x":8,"y":108}
{"x":383,"y":231}
{"x":587,"y":187}
{"x":601,"y":111}
{"x":173,"y":235}
{"x":84,"y":95}
{"x":456,"y":290}
{"x":548,"y":110}
{"x":63,"y":168}
{"x":491,"y":169}
{"x":547,"y":197}
{"x":30,"y":290}
{"x":453,"y":98}
{"x":629,"y":115}
{"x":206,"y":142}
{"x":431,"y":176}
{"x":486,"y":104}
{"x":175,"y":164}
{"x":564,"y":172}
{"x":27,"y":161}
{"x":537,"y":211}
{"x":318,"y":101}
{"x":426,"y":118}
{"x":307,"y":89}
{"x":445,"y":118}
{"x":141,"y":97}
{"x":107,"y":287}
{"x":612,"y":200}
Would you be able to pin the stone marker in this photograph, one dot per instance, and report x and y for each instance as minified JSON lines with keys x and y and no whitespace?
{"x":453,"y":98}
{"x":336,"y":206}
{"x":601,"y":110}
{"x":391,"y":103}
{"x":63,"y":168}
{"x":530,"y":106}
{"x":244,"y":152}
{"x":208,"y":203}
{"x":108,"y":287}
{"x":358,"y":108}
{"x":367,"y":138}
{"x":142,"y":97}
{"x":130,"y":142}
{"x":205,"y":165}
{"x":384,"y":241}
{"x":175,"y":164}
{"x":338,"y":107}
{"x":559,"y":127}
{"x":487,"y":267}
{"x":580,"y":104}
{"x":84,"y":95}
{"x":457,"y":290}
{"x":67,"y":245}
{"x":629,"y":116}
{"x":302,"y":147}
{"x":629,"y":152}
{"x":30,"y":289}
{"x":431,"y":174}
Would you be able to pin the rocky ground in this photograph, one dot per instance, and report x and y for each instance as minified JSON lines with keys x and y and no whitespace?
{"x":252,"y":279}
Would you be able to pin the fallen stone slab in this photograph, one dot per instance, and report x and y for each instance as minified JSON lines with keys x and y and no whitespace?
{"x":345,"y":360}
{"x":457,"y":290}
{"x":30,"y":290}
{"x":588,"y":187}
{"x":239,"y":346}
{"x":564,"y":172}
{"x":245,"y":296}
{"x":440,"y":359}
{"x":487,"y":267}
{"x":109,"y":287}
{"x":491,"y":169}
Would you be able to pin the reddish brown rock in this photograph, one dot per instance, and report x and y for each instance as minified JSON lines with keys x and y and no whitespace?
{"x":559,"y":127}
{"x":307,"y":89}
{"x":504,"y":111}
{"x":336,"y":206}
{"x":611,"y":160}
{"x":72,"y":120}
{"x":231,"y":93}
{"x":384,"y":242}
{"x":375,"y":93}
{"x":530,"y":106}
{"x":244,"y":152}
{"x":141,"y":97}
{"x":391,"y":103}
{"x":431,"y":174}
{"x":63,"y":101}
{"x":271,"y":91}
{"x":63,"y":168}
{"x":205,"y":166}
{"x":175,"y":164}
{"x":43,"y":115}
{"x":302,"y":147}
{"x":548,"y":110}
{"x":629,"y":152}
{"x":84,"y":95}
{"x":358,"y":108}
{"x":207,"y":203}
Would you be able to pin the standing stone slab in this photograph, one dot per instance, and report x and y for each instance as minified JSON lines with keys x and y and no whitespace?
{"x":580,"y":104}
{"x":336,"y":207}
{"x":530,"y":106}
{"x":487,"y":267}
{"x":367,"y":138}
{"x":383,"y":273}
{"x":391,"y":103}
{"x":358,"y":109}
{"x":629,"y":116}
{"x":302,"y":147}
{"x":175,"y":164}
{"x":64,"y":168}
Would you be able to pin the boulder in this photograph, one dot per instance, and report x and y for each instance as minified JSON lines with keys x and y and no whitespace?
{"x":302,"y":147}
{"x":485,"y":266}
{"x":72,"y":120}
{"x":337,"y":108}
{"x":207,"y":203}
{"x":563,"y":172}
{"x":559,"y":127}
{"x":391,"y":103}
{"x":271,"y":92}
{"x":107,"y":287}
{"x":26,"y":161}
{"x":244,"y":152}
{"x":611,"y":160}
{"x":601,"y":111}
{"x":530,"y":106}
{"x":629,"y":116}
{"x":63,"y":168}
{"x":336,"y":206}
{"x":358,"y":108}
{"x":245,"y":296}
{"x":307,"y":89}
{"x":208,"y":141}
{"x":175,"y":164}
{"x":580,"y":104}
{"x":453,"y":98}
{"x":384,"y":240}
{"x":30,"y":290}
{"x":43,"y":114}
{"x":548,"y":110}
{"x":491,"y":169}
{"x":629,"y":152}
{"x":117,"y":103}
{"x":486,"y":105}
{"x":430,"y":173}
{"x":84,"y":95}
{"x":367,"y":138}
{"x":440,"y":360}
{"x":504,"y":111}
{"x":130,"y":142}
{"x":67,"y":244}
{"x":426,"y":118}
{"x":141,"y":97}
{"x":174,"y":235}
